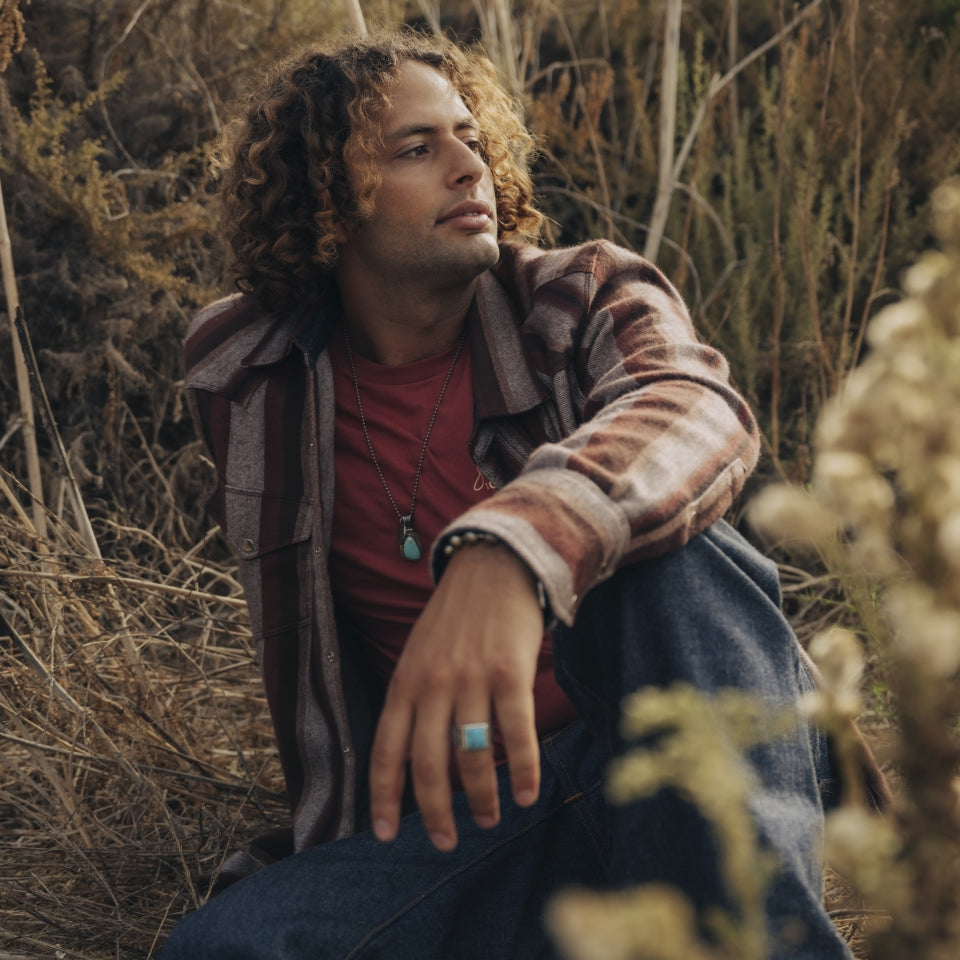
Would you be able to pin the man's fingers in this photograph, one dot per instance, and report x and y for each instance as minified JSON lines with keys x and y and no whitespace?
{"x":515,"y":716}
{"x":387,"y":762}
{"x":430,"y":769}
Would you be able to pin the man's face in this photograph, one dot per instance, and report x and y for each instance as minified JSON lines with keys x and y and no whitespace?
{"x":435,"y":220}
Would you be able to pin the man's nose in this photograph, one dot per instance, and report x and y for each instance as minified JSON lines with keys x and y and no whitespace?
{"x":467,"y":165}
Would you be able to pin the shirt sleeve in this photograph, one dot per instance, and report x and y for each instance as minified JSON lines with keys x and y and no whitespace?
{"x":660,"y":442}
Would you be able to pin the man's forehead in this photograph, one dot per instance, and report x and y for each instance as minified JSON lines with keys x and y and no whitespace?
{"x":420,"y":99}
{"x":401,"y":130}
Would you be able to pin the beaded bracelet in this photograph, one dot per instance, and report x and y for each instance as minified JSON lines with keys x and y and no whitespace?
{"x":471,"y":537}
{"x":468,"y":539}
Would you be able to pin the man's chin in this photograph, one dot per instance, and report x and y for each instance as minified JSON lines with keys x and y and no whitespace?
{"x":490,"y":252}
{"x":483,"y":256}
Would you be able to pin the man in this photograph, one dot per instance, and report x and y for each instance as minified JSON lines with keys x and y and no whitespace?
{"x":402,"y":369}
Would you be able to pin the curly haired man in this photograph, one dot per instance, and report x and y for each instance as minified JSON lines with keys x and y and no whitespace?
{"x":476,"y":489}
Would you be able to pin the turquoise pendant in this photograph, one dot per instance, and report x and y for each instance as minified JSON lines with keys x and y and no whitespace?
{"x":410,"y":548}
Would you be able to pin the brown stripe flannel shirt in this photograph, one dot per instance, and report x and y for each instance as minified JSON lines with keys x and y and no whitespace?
{"x":609,"y":430}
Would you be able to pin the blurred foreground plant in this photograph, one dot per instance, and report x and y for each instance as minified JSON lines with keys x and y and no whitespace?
{"x":698,"y":752}
{"x":885,"y":509}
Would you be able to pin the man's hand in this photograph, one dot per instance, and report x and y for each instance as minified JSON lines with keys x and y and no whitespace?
{"x":470,"y":658}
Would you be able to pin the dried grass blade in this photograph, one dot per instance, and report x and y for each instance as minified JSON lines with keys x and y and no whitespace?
{"x":50,"y":425}
{"x":23,"y":380}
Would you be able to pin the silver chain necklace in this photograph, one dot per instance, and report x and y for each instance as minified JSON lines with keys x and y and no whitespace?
{"x":407,"y":538}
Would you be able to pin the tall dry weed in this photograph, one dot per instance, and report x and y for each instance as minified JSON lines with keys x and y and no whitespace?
{"x":885,"y":510}
{"x":12,"y":36}
{"x":790,"y":220}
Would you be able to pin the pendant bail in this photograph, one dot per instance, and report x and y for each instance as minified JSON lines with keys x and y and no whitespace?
{"x":407,"y":538}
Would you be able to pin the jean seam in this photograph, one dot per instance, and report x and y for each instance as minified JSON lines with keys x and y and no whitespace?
{"x":574,"y":795}
{"x":590,"y":825}
{"x":369,"y":936}
{"x":568,"y":784}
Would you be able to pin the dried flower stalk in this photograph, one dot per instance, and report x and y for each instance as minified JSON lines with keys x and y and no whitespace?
{"x":697,"y":752}
{"x":885,"y":508}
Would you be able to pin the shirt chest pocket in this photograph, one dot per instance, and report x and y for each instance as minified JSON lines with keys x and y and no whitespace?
{"x":273,"y":539}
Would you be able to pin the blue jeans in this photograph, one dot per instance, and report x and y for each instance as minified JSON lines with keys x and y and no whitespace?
{"x":707,"y":614}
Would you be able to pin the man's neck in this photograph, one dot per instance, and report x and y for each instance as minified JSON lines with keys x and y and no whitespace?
{"x":403,"y":328}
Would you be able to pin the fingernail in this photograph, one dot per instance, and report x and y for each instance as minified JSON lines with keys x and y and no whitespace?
{"x":442,"y":841}
{"x":486,"y":820}
{"x":526,"y":798}
{"x":383,"y":829}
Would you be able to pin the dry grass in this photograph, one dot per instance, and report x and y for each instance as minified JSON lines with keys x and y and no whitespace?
{"x":135,"y":743}
{"x":136,"y":748}
{"x":855,"y":920}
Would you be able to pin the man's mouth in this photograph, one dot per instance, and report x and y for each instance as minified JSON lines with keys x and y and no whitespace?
{"x":469,"y":211}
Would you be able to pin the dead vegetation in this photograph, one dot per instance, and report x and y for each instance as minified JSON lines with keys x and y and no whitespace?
{"x":135,"y":747}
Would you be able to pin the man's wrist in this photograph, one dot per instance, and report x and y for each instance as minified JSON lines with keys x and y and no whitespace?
{"x":469,"y":538}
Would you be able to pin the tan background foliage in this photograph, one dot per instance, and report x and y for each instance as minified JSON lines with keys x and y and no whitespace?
{"x":134,"y":747}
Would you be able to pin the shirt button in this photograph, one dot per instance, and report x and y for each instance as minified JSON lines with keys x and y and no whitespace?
{"x":347,"y":751}
{"x":247,"y":545}
{"x":331,"y":657}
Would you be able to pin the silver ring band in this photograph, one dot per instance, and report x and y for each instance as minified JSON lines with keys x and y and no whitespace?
{"x":471,"y":736}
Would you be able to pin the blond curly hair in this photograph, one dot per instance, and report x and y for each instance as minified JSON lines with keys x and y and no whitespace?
{"x":298,"y":161}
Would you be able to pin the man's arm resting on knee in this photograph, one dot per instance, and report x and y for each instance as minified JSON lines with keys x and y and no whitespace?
{"x":470,"y":658}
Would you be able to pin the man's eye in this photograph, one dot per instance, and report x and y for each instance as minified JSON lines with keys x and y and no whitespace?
{"x":418,"y":151}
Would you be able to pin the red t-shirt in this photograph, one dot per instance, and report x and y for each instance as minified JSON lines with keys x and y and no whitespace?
{"x":381,"y":592}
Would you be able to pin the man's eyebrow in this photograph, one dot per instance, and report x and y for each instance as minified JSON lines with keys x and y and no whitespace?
{"x":418,"y":129}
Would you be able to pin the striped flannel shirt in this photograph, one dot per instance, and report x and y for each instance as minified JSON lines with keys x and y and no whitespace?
{"x":609,"y":431}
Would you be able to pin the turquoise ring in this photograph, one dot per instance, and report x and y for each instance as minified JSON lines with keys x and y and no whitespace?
{"x":471,"y":736}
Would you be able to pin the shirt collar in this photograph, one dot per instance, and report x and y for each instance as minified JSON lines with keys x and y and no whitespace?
{"x":505,"y":381}
{"x":309,"y":332}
